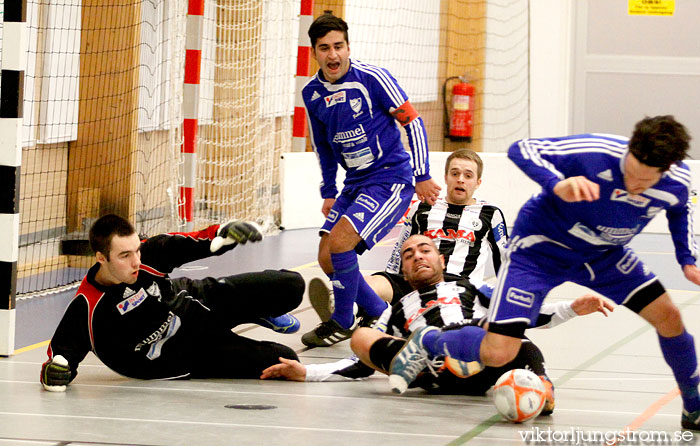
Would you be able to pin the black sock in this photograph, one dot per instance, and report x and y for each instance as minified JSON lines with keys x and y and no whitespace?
{"x":383,"y":351}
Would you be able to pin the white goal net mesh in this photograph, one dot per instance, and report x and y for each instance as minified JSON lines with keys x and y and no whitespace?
{"x":103,"y":114}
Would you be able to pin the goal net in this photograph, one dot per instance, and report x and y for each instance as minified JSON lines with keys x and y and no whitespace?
{"x":103,"y":113}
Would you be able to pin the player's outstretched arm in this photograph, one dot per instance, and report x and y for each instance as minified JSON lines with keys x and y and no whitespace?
{"x":428,"y":191}
{"x":590,"y":303}
{"x":288,"y":369}
{"x":692,"y":273}
{"x":235,"y":231}
{"x":574,"y":189}
{"x":553,"y":314}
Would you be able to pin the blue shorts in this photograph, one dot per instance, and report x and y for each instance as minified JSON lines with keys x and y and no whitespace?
{"x":534,"y":265}
{"x":373,"y":210}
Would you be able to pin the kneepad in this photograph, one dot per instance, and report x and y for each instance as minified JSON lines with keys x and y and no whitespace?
{"x":383,"y":351}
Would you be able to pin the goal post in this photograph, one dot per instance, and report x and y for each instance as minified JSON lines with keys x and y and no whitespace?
{"x":11,"y":82}
{"x":105,"y":105}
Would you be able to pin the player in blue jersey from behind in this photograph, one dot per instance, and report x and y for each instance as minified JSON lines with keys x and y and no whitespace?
{"x":353,"y":109}
{"x":598,"y":192}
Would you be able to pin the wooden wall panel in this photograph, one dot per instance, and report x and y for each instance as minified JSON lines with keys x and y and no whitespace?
{"x":43,"y":188}
{"x":108,"y":118}
{"x":465,"y":49}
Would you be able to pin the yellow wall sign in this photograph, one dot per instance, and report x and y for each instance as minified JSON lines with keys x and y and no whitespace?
{"x":651,"y":7}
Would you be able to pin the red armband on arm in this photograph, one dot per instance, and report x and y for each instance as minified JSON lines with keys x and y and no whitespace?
{"x":405,"y":113}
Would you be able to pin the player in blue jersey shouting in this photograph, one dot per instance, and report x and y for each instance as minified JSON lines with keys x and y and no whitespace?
{"x":353,"y":109}
{"x":598,"y":192}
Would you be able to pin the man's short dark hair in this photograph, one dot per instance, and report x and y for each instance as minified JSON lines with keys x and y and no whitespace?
{"x":659,"y":141}
{"x":466,"y":154}
{"x":105,"y":228}
{"x":324,"y":24}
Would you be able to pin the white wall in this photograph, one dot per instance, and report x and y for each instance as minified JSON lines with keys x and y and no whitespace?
{"x":586,"y":71}
{"x":551,"y":33}
{"x":551,"y":80}
{"x":627,"y":66}
{"x":503,"y":185}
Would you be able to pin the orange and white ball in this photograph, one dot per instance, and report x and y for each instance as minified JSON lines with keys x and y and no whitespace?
{"x":519,"y":395}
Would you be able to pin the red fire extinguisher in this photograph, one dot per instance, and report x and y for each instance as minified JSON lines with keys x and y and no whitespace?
{"x":459,"y":120}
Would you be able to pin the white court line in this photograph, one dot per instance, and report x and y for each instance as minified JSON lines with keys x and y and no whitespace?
{"x":669,"y":379}
{"x":314,"y":429}
{"x":623,"y":375}
{"x":597,"y":412}
{"x":423,"y":399}
{"x":193,"y":268}
{"x":16,"y":441}
{"x":205,"y":423}
{"x":97,"y":366}
{"x":499,"y":440}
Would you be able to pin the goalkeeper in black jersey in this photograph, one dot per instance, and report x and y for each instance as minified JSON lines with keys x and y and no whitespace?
{"x":143,"y":324}
{"x":446,"y":305}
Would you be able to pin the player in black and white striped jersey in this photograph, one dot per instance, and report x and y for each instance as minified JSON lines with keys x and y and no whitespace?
{"x":441,"y":305}
{"x":468,"y":232}
{"x":446,"y":306}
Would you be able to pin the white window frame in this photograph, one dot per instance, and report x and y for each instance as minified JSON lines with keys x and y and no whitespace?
{"x":57,"y":109}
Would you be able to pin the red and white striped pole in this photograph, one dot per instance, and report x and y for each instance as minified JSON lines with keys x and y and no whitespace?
{"x":190,"y":109}
{"x":299,"y":130}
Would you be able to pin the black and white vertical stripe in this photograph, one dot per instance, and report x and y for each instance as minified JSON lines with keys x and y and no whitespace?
{"x":440,"y":305}
{"x":14,"y":53}
{"x":465,"y":235}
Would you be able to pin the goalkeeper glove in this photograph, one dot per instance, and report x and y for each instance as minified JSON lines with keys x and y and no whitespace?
{"x":235,"y":231}
{"x":55,"y":374}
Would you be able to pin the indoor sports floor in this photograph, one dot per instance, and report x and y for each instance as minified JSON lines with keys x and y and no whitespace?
{"x":609,"y":376}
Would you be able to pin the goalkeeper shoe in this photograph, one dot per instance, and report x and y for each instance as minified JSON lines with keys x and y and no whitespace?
{"x":549,"y":395}
{"x":410,"y":361}
{"x":281,"y":324}
{"x":690,"y":420}
{"x":327,"y":333}
{"x":321,"y":298}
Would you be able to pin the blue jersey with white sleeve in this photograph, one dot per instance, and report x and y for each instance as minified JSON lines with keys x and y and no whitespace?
{"x":352,"y":125}
{"x":617,"y":216}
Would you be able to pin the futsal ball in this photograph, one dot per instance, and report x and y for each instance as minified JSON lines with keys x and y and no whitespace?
{"x":519,"y":395}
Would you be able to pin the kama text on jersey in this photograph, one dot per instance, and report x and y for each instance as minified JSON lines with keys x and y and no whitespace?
{"x":437,"y":305}
{"x":467,"y":235}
